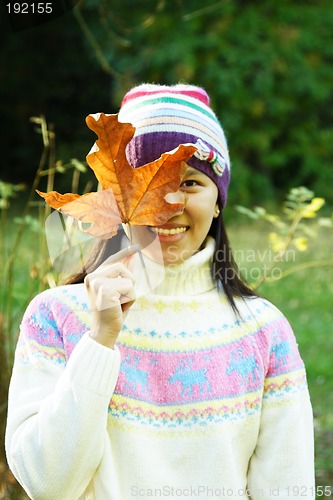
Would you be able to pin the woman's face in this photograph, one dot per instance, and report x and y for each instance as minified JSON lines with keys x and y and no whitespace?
{"x":183,"y":235}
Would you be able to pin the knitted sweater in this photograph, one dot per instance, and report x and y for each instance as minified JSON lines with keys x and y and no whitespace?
{"x":193,"y":402}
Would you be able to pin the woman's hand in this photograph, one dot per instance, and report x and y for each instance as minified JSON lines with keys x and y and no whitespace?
{"x":111,"y":292}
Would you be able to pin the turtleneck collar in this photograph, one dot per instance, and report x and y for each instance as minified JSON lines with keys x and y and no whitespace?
{"x":191,"y":277}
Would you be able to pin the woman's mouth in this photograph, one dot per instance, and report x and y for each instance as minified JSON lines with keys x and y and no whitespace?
{"x":168,"y":232}
{"x":171,"y":233}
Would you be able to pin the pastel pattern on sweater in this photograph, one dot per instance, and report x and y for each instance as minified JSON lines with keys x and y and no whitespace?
{"x":171,"y":378}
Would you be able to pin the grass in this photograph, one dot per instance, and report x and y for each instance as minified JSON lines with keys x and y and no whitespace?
{"x":305,"y":298}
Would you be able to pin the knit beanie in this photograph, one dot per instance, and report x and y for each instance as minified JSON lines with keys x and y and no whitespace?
{"x":165,"y":117}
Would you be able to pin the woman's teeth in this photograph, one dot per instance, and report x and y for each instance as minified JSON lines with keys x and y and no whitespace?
{"x":176,"y":230}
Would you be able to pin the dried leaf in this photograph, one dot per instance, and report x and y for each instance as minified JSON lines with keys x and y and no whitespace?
{"x":57,"y":200}
{"x":97,"y":209}
{"x":139,"y":192}
{"x":129,"y":195}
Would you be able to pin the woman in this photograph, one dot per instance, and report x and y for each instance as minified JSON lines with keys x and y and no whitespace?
{"x":199,"y":391}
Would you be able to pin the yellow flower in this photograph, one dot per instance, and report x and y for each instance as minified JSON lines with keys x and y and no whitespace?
{"x":301,"y":243}
{"x":309,"y":212}
{"x":276,"y":241}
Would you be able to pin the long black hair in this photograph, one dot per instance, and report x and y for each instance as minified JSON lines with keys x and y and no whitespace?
{"x":224,"y":268}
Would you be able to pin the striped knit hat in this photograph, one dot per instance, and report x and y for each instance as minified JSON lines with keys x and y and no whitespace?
{"x":165,"y":117}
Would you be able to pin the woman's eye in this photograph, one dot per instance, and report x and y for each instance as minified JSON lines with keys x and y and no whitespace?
{"x":189,"y":183}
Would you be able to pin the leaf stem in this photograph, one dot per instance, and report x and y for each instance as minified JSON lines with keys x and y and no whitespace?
{"x":141,"y":258}
{"x":130,"y":233}
{"x":301,"y":267}
{"x":145,"y":271}
{"x":279,"y":256}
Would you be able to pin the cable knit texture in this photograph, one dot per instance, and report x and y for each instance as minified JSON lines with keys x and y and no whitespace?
{"x":192,"y":401}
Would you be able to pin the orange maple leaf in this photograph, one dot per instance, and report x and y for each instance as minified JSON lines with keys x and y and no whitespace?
{"x":97,"y":209}
{"x":129,"y":195}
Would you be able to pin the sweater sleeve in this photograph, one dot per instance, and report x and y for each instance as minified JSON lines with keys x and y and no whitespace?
{"x":282,"y":464}
{"x":57,"y":411}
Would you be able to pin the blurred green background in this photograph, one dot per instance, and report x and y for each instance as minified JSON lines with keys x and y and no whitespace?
{"x":268,"y":67}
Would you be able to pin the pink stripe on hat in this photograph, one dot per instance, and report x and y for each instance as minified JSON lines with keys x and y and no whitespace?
{"x":195,"y":92}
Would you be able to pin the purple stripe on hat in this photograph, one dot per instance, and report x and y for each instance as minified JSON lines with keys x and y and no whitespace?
{"x":148,"y":147}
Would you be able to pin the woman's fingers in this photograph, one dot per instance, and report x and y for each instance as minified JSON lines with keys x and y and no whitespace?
{"x":119,"y":256}
{"x":112,"y":271}
{"x":105,"y":299}
{"x":108,"y":292}
{"x":109,"y":287}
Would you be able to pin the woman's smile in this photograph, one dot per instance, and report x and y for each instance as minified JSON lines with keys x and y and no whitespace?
{"x":170,"y":232}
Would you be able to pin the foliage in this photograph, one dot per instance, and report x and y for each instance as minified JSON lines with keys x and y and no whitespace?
{"x":290,"y":229}
{"x":8,"y":191}
{"x":26,"y":270}
{"x":47,"y":72}
{"x":267,"y":66}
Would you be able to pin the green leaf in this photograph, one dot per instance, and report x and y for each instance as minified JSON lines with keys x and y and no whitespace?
{"x":246,"y":211}
{"x":78,"y":165}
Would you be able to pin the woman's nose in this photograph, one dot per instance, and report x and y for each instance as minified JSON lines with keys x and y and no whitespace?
{"x":177,"y":197}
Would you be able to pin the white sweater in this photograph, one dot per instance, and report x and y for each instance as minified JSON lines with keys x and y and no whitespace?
{"x":192,"y":403}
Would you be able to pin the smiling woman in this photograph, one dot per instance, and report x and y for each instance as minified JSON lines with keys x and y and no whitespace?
{"x":197,"y":383}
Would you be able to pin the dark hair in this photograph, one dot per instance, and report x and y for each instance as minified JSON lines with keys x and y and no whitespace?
{"x":224,"y":268}
{"x":102,"y":250}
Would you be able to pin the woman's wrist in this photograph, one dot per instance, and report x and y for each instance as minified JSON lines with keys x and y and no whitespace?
{"x":104,"y":340}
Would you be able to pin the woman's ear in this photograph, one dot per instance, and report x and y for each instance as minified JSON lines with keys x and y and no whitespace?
{"x":216,"y":211}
